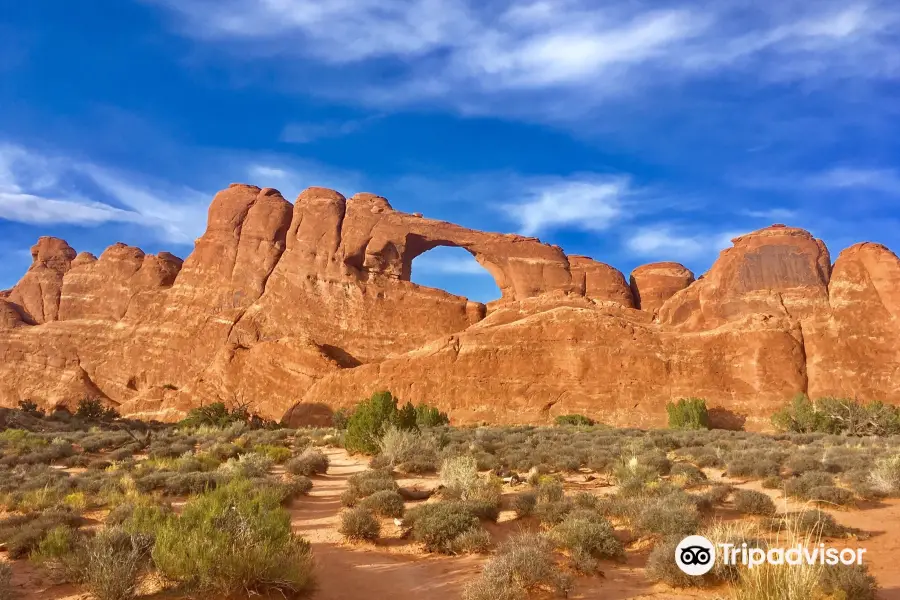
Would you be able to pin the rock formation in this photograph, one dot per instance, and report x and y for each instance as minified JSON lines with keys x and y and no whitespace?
{"x":301,"y":308}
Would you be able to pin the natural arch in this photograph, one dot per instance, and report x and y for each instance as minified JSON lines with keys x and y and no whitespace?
{"x":454,"y":270}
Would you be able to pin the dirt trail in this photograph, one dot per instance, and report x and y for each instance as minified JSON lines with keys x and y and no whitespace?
{"x":385,"y":570}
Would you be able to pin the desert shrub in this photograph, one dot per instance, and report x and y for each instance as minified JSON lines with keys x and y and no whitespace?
{"x":524,"y":503}
{"x":801,"y":486}
{"x":365,"y":484}
{"x":236,"y":538}
{"x":409,"y":448}
{"x":829,"y":494}
{"x":53,"y":551}
{"x":852,"y":582}
{"x":429,"y":416}
{"x":632,"y":476}
{"x":458,"y":474}
{"x":311,"y":462}
{"x":585,"y":500}
{"x":277,"y":454}
{"x":246,"y":465}
{"x":751,"y":502}
{"x":838,"y":416}
{"x":215,"y":415}
{"x":811,"y":522}
{"x":798,"y":464}
{"x":473,"y":541}
{"x":744,"y":465}
{"x":687,"y":475}
{"x":359,"y":524}
{"x":552,"y":512}
{"x":718,"y":493}
{"x":299,"y":484}
{"x":93,"y":409}
{"x":109,"y":563}
{"x":340,"y":419}
{"x":670,"y":514}
{"x":573,"y":420}
{"x":586,"y":534}
{"x":371,"y":419}
{"x":31,"y":408}
{"x":523,"y":564}
{"x":438,"y":524}
{"x":772,"y":482}
{"x":384,"y":503}
{"x":688,"y":413}
{"x":23,"y":533}
{"x":884,"y":477}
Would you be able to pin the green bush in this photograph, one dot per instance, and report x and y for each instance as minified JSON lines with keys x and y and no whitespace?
{"x":853,"y":582}
{"x":523,"y":564}
{"x":340,"y":419}
{"x":438,"y":524}
{"x":838,"y":416}
{"x":93,"y":409}
{"x":429,"y":416}
{"x":573,"y":420}
{"x":384,"y":503}
{"x":236,"y":539}
{"x":365,"y":484}
{"x":371,"y":419}
{"x":312,"y":462}
{"x":109,"y":563}
{"x":688,"y":413}
{"x":215,"y":415}
{"x":524,"y":503}
{"x":751,"y":502}
{"x":587,"y":535}
{"x":359,"y":524}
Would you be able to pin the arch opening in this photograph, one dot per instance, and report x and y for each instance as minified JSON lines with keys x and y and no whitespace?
{"x":455,"y":271}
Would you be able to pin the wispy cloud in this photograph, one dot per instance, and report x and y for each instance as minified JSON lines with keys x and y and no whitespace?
{"x":588,"y":203}
{"x":837,"y":179}
{"x":305,"y":133}
{"x":476,"y":55}
{"x":670,"y":242}
{"x":40,"y":189}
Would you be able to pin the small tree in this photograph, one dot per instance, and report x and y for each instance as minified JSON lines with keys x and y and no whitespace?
{"x":31,"y":408}
{"x":371,"y":419}
{"x":429,"y":416}
{"x":688,"y":413}
{"x":573,"y":420}
{"x":93,"y":409}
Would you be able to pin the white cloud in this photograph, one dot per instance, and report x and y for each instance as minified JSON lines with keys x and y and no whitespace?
{"x":474,"y":55}
{"x":39,"y":189}
{"x":837,"y":179}
{"x":842,"y":178}
{"x":590,"y":203}
{"x":668,"y":242}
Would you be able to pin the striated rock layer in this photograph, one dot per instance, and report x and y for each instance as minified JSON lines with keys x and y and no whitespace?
{"x":299,"y":309}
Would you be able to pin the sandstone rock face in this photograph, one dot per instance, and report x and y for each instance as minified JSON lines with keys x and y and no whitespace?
{"x":300,"y":309}
{"x":37,"y":294}
{"x":600,"y":281}
{"x":653,"y":284}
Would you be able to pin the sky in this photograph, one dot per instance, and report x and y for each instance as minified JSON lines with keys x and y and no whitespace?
{"x":629,"y":131}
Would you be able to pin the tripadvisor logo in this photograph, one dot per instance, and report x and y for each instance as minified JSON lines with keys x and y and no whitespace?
{"x":696,"y":555}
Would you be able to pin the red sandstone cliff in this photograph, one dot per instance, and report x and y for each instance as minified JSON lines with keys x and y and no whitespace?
{"x":309,"y":303}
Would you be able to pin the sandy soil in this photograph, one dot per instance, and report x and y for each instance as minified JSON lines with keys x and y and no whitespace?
{"x":396,"y":568}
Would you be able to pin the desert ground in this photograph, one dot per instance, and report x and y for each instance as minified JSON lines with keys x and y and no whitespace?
{"x":606,"y":502}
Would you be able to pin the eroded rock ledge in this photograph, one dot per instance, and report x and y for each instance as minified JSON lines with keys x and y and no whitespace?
{"x":312,"y":303}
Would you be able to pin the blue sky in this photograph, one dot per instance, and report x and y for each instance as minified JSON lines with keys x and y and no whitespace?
{"x":628,"y":131}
